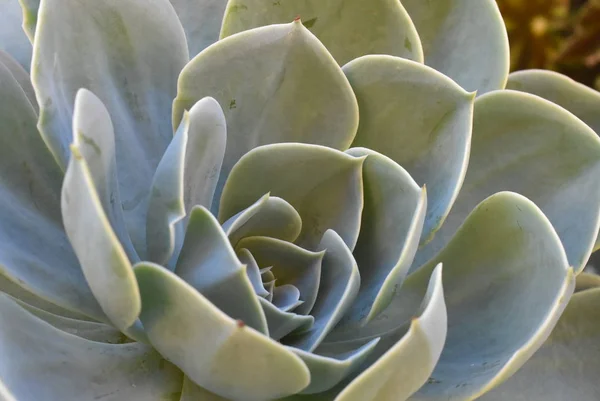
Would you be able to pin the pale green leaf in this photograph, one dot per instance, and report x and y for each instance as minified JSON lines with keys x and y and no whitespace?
{"x":208,"y":263}
{"x":420,"y":119}
{"x":348,"y":28}
{"x":128,"y":53}
{"x":408,"y":361}
{"x":506,"y":282}
{"x":463,"y":39}
{"x":322,"y":184}
{"x":205,"y":343}
{"x":21,"y":76}
{"x":275,"y":84}
{"x":525,"y":144}
{"x":566,"y":366}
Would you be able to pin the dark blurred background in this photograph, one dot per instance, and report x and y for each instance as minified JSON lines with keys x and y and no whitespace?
{"x":559,"y":35}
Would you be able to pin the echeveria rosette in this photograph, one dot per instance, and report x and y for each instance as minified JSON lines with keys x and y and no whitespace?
{"x":289,"y":215}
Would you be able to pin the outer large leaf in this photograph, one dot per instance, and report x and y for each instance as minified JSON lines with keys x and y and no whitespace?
{"x":525,"y":144}
{"x":40,"y":362}
{"x":129,"y":53}
{"x":186,"y":177}
{"x":506,"y":282}
{"x":20,"y":75}
{"x":275,"y":84}
{"x":566,"y":366}
{"x":580,"y":100}
{"x":35,"y":255}
{"x":463,"y":39}
{"x":205,"y":343}
{"x":406,"y":364}
{"x":322,"y":184}
{"x":420,"y":119}
{"x":13,"y":39}
{"x":348,"y":28}
{"x":30,"y":16}
{"x":208,"y":263}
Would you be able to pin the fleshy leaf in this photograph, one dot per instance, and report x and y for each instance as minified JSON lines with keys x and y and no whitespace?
{"x":275,"y":84}
{"x":186,"y":176}
{"x":506,"y":282}
{"x":340,"y":281}
{"x":286,"y":297}
{"x":580,"y":100}
{"x":282,"y":323}
{"x":103,"y":260}
{"x":391,"y":227}
{"x":13,"y":39}
{"x":128,"y":53}
{"x":205,"y":343}
{"x":208,"y":263}
{"x":566,"y":366}
{"x":201,"y":20}
{"x":41,"y":362}
{"x":35,"y":255}
{"x":326,"y":371}
{"x":463,"y":39}
{"x":94,"y":137}
{"x":269,"y":216}
{"x":418,"y":118}
{"x":253,"y":272}
{"x":408,"y":361}
{"x":290,"y":264}
{"x":348,"y":28}
{"x":586,"y":281}
{"x":322,"y":184}
{"x":525,"y":144}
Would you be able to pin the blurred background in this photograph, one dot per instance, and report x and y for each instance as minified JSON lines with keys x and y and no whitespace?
{"x":559,"y":35}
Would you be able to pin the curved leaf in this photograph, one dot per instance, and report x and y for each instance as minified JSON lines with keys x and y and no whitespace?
{"x":286,"y":297}
{"x":275,"y":84}
{"x":289,"y":264}
{"x":506,"y":282}
{"x":205,"y":343}
{"x":208,"y":263}
{"x":41,"y":362}
{"x":418,"y":118}
{"x":322,"y":184}
{"x":566,"y":366}
{"x":282,"y":323}
{"x":193,"y":392}
{"x":269,"y":216}
{"x":103,"y":260}
{"x":201,"y":20}
{"x":525,"y":144}
{"x":580,"y":100}
{"x":185,"y":177}
{"x":328,"y":370}
{"x":586,"y":281}
{"x":463,"y":39}
{"x":407,"y":362}
{"x":391,"y":227}
{"x":13,"y":39}
{"x":338,"y":287}
{"x":129,"y":53}
{"x":253,"y":272}
{"x":348,"y":28}
{"x":35,"y":255}
{"x":30,"y":16}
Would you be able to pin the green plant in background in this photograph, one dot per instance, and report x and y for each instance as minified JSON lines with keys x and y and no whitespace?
{"x":561,"y":35}
{"x":289,"y":215}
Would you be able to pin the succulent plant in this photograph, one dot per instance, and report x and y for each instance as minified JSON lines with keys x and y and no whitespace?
{"x":204,"y":200}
